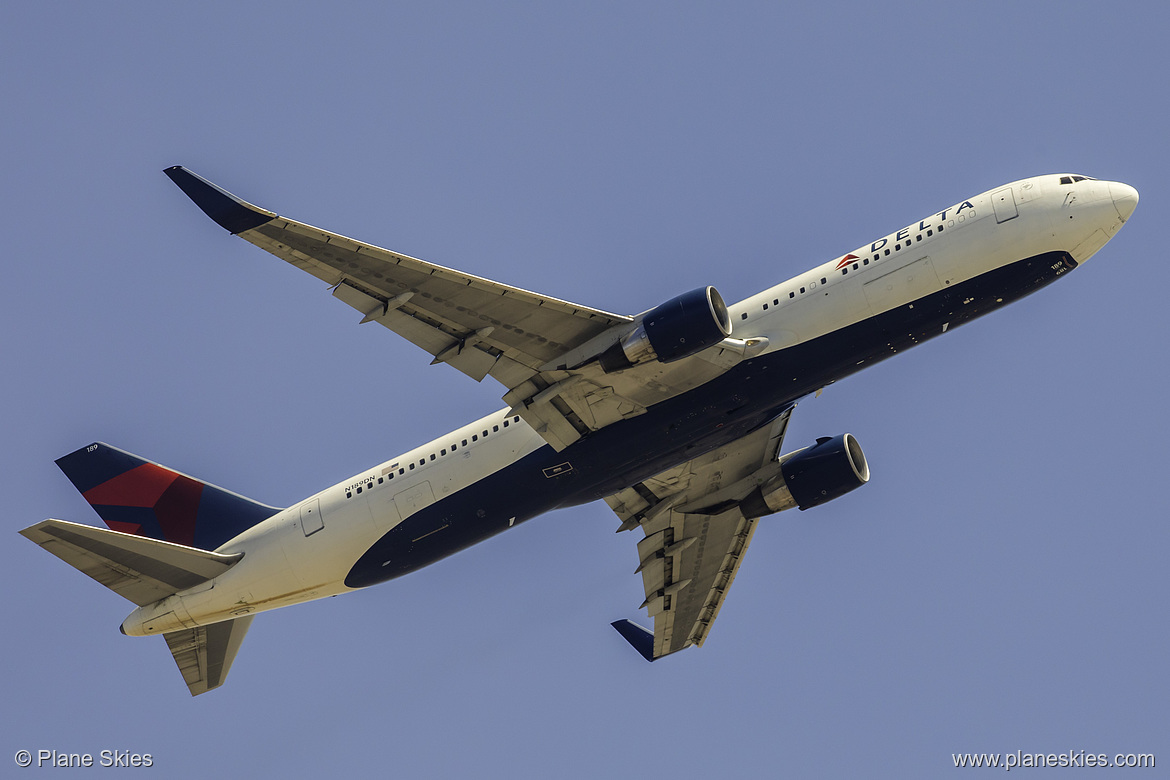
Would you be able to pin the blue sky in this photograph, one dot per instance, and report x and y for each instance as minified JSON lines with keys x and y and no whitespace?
{"x":1001,"y":583}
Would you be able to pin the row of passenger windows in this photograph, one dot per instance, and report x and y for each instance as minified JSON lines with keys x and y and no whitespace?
{"x":875,"y":258}
{"x":390,"y":473}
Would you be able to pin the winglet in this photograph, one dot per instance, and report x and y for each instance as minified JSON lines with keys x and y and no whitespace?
{"x":639,"y":638}
{"x":228,"y":211}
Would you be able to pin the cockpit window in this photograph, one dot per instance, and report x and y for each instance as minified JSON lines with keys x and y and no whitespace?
{"x":1071,"y":179}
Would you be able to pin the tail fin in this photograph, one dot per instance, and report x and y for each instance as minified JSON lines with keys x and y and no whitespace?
{"x":136,"y":496}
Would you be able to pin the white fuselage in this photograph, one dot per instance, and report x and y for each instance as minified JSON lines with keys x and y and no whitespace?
{"x":305,"y":552}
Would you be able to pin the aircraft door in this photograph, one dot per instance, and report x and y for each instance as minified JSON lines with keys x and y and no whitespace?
{"x":1004,"y":202}
{"x":311,"y":519}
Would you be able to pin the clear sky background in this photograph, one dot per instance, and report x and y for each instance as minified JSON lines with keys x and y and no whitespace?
{"x":1000,"y":585}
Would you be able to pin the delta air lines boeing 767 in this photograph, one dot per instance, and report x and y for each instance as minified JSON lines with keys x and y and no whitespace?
{"x":674,"y":417}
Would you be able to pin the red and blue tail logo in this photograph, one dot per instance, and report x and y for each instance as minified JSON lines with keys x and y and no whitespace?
{"x":136,"y":496}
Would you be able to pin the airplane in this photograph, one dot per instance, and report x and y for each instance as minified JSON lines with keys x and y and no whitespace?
{"x":675,"y":417}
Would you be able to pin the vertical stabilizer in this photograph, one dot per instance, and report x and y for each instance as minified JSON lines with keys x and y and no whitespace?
{"x":136,"y":496}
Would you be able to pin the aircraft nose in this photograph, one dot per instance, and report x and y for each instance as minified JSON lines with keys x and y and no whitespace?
{"x":1125,"y":198}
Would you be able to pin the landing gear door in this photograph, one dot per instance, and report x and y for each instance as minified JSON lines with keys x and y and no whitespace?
{"x":1005,"y":204}
{"x":311,"y":519}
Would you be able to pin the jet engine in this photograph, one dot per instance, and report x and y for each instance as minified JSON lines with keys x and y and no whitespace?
{"x":810,"y":477}
{"x":672,"y":331}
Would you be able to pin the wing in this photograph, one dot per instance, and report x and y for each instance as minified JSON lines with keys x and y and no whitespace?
{"x":695,"y":535}
{"x":478,"y":326}
{"x":542,"y":349}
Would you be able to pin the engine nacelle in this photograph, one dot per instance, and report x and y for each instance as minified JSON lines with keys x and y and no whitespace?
{"x":810,"y":477}
{"x":672,"y":331}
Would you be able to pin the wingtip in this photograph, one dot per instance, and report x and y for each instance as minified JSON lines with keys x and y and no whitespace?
{"x":228,"y":211}
{"x":641,"y":639}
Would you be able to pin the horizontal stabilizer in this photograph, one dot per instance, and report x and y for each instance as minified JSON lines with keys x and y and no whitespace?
{"x":205,"y":653}
{"x":640,"y":639}
{"x":137,"y":568}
